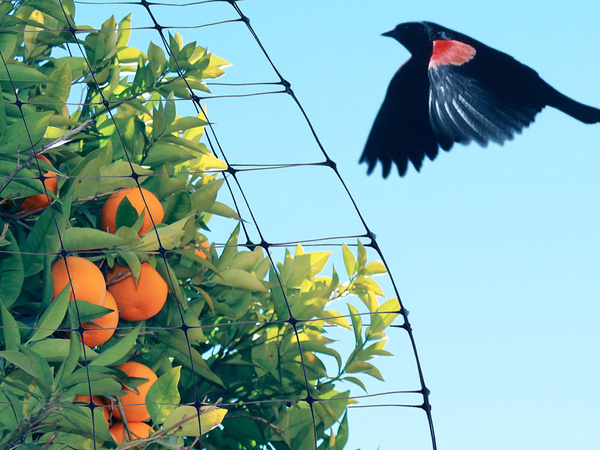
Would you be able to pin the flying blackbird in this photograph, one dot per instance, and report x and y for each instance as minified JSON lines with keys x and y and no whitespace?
{"x":456,"y":89}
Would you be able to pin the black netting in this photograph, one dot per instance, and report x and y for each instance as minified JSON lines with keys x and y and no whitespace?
{"x":245,"y":301}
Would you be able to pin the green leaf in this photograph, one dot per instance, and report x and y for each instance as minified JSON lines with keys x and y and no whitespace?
{"x":87,"y":173}
{"x":168,"y":274}
{"x":204,"y":197}
{"x":180,"y":345}
{"x":163,"y":396}
{"x":356,"y":381}
{"x":223,"y":210}
{"x":240,"y":279}
{"x":24,"y":185}
{"x":133,"y":262}
{"x":178,"y":206}
{"x":92,"y":376}
{"x":52,"y":316}
{"x":156,"y":59}
{"x":62,"y":77}
{"x":279,"y":303}
{"x":198,"y":149}
{"x":331,"y":410}
{"x":106,"y":43}
{"x":77,"y":420}
{"x":356,"y":324}
{"x":53,"y":8}
{"x":117,"y":175}
{"x":341,"y":438}
{"x":73,"y":356}
{"x":127,"y":215}
{"x":19,"y":136}
{"x":185,"y":123}
{"x":186,"y":417}
{"x":335,"y":318}
{"x":57,"y":350}
{"x":22,"y":75}
{"x":10,"y":329}
{"x":7,"y":412}
{"x":31,"y":363}
{"x":165,"y":152}
{"x":8,"y":43}
{"x":84,"y":312}
{"x":375,"y":268}
{"x":349,"y":260}
{"x":43,"y":238}
{"x":362,"y":255}
{"x":364,"y":367}
{"x":124,"y":31}
{"x":384,"y":316}
{"x":170,"y":235}
{"x":100,"y":386}
{"x":89,"y":238}
{"x":3,"y":122}
{"x":47,"y":283}
{"x":372,"y":286}
{"x":315,"y":344}
{"x":118,"y":351}
{"x":12,"y":273}
{"x":230,"y":249}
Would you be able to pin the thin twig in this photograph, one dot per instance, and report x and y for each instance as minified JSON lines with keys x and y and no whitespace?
{"x":65,"y":138}
{"x":119,"y":277}
{"x":58,"y":142}
{"x":4,"y":231}
{"x":94,"y":197}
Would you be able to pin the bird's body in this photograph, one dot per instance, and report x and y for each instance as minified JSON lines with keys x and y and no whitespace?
{"x":456,"y":89}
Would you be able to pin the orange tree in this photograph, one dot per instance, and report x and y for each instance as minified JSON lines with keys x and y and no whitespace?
{"x":220,"y":363}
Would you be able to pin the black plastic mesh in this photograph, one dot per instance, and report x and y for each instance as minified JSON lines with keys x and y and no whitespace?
{"x":268,"y":183}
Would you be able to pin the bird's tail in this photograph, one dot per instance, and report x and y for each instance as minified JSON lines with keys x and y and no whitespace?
{"x":581,"y":112}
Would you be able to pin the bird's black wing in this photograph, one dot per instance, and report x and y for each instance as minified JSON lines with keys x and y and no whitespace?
{"x":487,"y":98}
{"x":402,"y":131}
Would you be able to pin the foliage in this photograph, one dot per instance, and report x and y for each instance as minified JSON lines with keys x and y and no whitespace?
{"x":225,"y":337}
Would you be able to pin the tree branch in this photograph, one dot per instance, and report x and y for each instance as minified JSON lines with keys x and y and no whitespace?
{"x":57,"y":143}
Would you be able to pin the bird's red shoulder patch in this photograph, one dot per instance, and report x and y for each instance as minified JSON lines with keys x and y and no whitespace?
{"x":450,"y":52}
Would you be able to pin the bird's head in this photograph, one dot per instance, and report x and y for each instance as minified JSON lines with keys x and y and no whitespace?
{"x":417,"y":37}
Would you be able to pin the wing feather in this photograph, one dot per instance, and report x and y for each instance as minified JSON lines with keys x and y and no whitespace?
{"x":402,"y":131}
{"x":466,"y":106}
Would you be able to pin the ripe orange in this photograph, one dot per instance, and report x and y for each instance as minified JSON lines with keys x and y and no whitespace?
{"x":139,"y":430}
{"x":201,"y":252}
{"x":133,"y":403}
{"x":141,"y":301}
{"x":40,"y":201}
{"x":104,"y":327}
{"x":86,"y":279}
{"x":205,"y":248}
{"x":97,"y":401}
{"x":108,"y":217}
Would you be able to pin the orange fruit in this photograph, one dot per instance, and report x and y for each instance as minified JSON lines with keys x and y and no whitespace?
{"x":86,"y":279}
{"x":40,"y":201}
{"x":139,"y":430}
{"x":97,"y":401}
{"x":203,"y":253}
{"x":108,"y":217}
{"x":137,"y":301}
{"x":133,"y":403}
{"x":103,"y":327}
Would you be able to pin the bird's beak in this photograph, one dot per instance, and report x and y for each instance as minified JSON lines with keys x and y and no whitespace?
{"x":388,"y":33}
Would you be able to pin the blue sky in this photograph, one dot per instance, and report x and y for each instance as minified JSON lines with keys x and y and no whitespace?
{"x":495,"y":251}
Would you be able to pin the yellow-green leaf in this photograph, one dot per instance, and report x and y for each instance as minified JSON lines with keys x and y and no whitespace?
{"x":185,"y":420}
{"x":240,"y":279}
